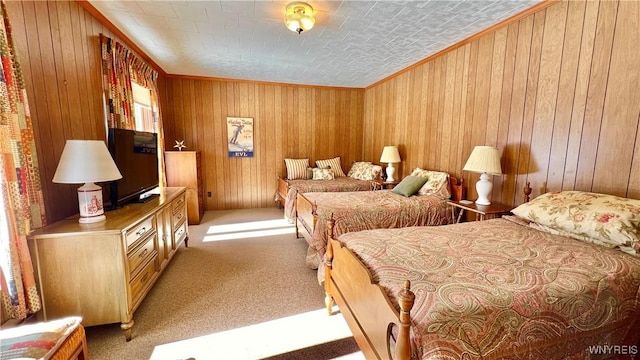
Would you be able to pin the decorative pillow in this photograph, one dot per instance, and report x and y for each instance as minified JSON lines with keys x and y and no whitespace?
{"x":309,"y":173}
{"x":334,"y":164}
{"x":296,"y":168}
{"x":357,"y":167}
{"x":409,"y":185}
{"x":598,"y":218}
{"x":365,"y":171}
{"x":437,"y":183}
{"x":322,"y":174}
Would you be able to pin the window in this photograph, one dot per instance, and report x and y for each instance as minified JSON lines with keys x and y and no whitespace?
{"x":142,"y":110}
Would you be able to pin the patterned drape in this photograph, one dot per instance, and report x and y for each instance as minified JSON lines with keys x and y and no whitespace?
{"x":127,"y":67}
{"x":21,"y":201}
{"x":117,"y":84}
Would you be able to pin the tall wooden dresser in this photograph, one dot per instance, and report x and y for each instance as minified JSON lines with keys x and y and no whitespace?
{"x":183,"y":169}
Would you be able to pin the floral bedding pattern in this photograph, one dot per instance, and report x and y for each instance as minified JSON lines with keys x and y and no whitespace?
{"x":338,"y":184}
{"x":364,"y":170}
{"x":355,"y":211}
{"x":599,"y":218}
{"x":498,"y":289}
{"x":437,"y":182}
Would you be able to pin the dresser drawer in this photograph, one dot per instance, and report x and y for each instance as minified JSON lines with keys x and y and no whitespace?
{"x":179,"y":234}
{"x":179,"y":216}
{"x":140,"y":231}
{"x":142,"y":280}
{"x":178,"y":204}
{"x":141,"y":254}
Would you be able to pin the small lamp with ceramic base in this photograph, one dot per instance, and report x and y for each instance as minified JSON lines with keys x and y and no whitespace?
{"x":390,"y":155}
{"x":88,"y":162}
{"x":486,"y":161}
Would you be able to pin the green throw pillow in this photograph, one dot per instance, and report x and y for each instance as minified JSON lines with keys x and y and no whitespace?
{"x":409,"y":185}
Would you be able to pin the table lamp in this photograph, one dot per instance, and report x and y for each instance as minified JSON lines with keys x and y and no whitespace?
{"x":486,"y":161}
{"x":87,"y":161}
{"x":390,"y":155}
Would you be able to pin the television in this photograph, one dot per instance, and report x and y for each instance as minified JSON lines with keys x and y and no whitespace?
{"x":136,"y":156}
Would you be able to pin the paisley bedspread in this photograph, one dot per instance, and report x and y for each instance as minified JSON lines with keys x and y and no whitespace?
{"x":382,"y":209}
{"x":339,"y":184}
{"x":497,"y":289}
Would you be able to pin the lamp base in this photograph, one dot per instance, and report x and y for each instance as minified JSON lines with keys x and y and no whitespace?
{"x":90,"y":204}
{"x":390,"y":172}
{"x":483,"y":188}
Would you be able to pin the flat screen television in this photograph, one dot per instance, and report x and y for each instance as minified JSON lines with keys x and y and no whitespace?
{"x":136,"y":156}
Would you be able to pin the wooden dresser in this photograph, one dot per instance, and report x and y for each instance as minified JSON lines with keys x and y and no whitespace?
{"x":103,"y":271}
{"x":183,"y":169}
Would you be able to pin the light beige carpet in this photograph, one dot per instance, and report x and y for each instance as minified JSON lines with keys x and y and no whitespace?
{"x":240,"y":291}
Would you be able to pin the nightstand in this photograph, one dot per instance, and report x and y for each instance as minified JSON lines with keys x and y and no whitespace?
{"x":379,"y":184}
{"x":494,"y":209}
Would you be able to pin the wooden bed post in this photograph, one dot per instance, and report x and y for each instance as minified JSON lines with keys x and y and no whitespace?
{"x":403,"y":343}
{"x":295,"y":213}
{"x":527,"y":192}
{"x":328,"y":300}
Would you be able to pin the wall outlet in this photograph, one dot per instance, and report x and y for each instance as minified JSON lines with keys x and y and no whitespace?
{"x":208,"y":193}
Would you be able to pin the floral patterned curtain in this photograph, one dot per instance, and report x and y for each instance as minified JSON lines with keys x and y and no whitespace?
{"x":21,"y":201}
{"x":118,"y":75}
{"x":117,"y":84}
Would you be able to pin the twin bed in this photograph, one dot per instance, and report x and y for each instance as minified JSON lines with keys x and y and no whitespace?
{"x":559,"y":280}
{"x":356,"y":211}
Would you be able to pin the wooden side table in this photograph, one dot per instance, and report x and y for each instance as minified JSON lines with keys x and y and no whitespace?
{"x":481,"y":211}
{"x":379,"y":184}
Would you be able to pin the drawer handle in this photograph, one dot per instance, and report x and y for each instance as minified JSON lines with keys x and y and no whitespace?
{"x":141,"y":231}
{"x":142,"y":254}
{"x":144,"y":278}
{"x":179,"y":216}
{"x":180,"y":232}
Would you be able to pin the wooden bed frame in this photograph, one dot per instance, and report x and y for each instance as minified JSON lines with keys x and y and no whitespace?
{"x":281,"y":192}
{"x":365,"y":306}
{"x":307,"y":217}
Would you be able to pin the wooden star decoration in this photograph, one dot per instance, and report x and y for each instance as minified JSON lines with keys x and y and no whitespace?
{"x":180,"y":145}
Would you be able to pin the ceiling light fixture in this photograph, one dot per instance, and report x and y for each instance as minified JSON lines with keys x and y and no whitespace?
{"x":298,"y":17}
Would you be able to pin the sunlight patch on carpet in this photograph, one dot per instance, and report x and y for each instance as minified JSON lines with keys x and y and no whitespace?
{"x":252,"y":225}
{"x":261,"y":340}
{"x":245,"y":230}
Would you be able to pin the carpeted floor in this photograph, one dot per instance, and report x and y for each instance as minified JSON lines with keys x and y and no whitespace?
{"x":240,"y":291}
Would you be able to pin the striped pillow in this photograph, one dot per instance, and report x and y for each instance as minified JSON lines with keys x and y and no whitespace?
{"x":296,"y":168}
{"x":334,"y":164}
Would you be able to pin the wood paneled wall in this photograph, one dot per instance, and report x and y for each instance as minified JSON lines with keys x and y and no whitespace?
{"x":289,"y":122}
{"x":556,"y":92}
{"x":58,"y":47}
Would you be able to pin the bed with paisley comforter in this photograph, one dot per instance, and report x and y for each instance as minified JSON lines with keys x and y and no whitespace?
{"x":561,"y":280}
{"x":288,"y":190}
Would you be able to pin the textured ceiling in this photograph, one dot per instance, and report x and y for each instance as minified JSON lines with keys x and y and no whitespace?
{"x":353,"y":44}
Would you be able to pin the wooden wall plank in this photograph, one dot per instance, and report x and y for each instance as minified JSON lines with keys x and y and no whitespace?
{"x":580,"y":94}
{"x":595,"y":95}
{"x":565,"y":97}
{"x":621,"y":106}
{"x":546,"y":97}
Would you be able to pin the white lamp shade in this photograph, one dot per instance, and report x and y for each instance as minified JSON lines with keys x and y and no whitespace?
{"x":390,"y":154}
{"x":85,"y":161}
{"x":484,"y":159}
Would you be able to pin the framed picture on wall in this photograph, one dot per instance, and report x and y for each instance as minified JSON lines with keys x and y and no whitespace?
{"x":240,"y":135}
